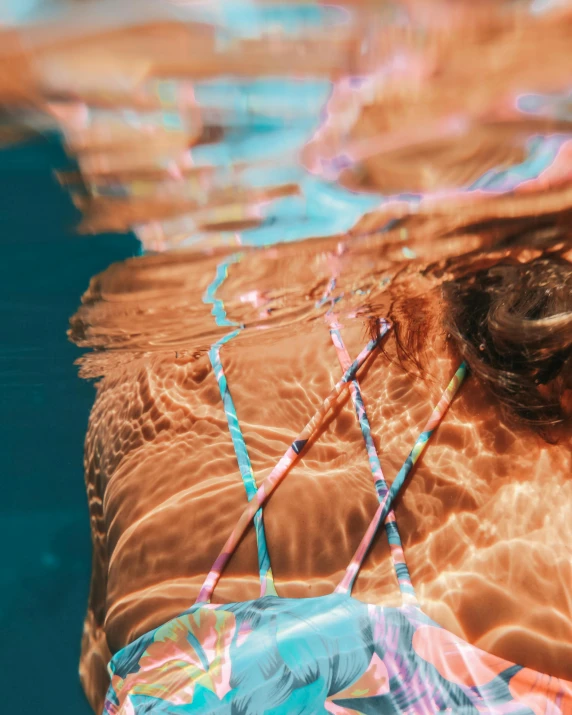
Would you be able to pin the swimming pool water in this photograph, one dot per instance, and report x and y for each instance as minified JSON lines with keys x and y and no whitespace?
{"x":44,"y":526}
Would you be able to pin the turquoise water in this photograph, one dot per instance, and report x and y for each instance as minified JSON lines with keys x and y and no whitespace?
{"x":44,"y":529}
{"x":44,"y":526}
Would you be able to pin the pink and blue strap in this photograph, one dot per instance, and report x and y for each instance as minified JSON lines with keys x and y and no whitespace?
{"x":437,"y":415}
{"x":281,"y":470}
{"x":397,"y":554}
{"x":267,"y":586}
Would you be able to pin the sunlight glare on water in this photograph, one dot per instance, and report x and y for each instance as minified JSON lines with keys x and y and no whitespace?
{"x":289,"y":168}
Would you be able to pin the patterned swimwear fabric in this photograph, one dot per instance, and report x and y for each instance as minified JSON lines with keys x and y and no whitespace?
{"x":329,"y":654}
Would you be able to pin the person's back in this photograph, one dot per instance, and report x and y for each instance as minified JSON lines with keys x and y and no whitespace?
{"x":483,"y":519}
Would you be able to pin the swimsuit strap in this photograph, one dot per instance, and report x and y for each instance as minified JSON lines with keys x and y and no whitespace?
{"x":381,"y":488}
{"x":437,"y":415}
{"x":396,"y":548}
{"x":267,"y":586}
{"x":281,"y":470}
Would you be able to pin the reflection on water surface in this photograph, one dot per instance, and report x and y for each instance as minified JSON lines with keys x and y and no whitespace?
{"x":286,"y":166}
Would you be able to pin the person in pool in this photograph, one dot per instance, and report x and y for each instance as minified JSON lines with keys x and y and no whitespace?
{"x":188,"y":423}
{"x":224,"y":358}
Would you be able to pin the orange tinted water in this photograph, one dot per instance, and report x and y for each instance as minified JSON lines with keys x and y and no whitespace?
{"x":422,"y":160}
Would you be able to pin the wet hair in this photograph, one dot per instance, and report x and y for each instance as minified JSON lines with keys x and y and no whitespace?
{"x":512,"y":324}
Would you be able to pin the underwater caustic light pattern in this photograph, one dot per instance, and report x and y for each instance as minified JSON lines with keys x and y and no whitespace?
{"x":487,"y":562}
{"x":306,"y":180}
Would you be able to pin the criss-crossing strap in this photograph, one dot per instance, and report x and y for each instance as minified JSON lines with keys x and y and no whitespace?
{"x":281,"y":470}
{"x":437,"y":415}
{"x":267,"y":586}
{"x":396,"y":547}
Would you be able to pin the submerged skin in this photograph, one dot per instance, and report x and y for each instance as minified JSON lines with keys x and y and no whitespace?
{"x":484,"y":518}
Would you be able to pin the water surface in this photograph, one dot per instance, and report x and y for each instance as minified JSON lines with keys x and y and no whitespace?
{"x":272,"y":201}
